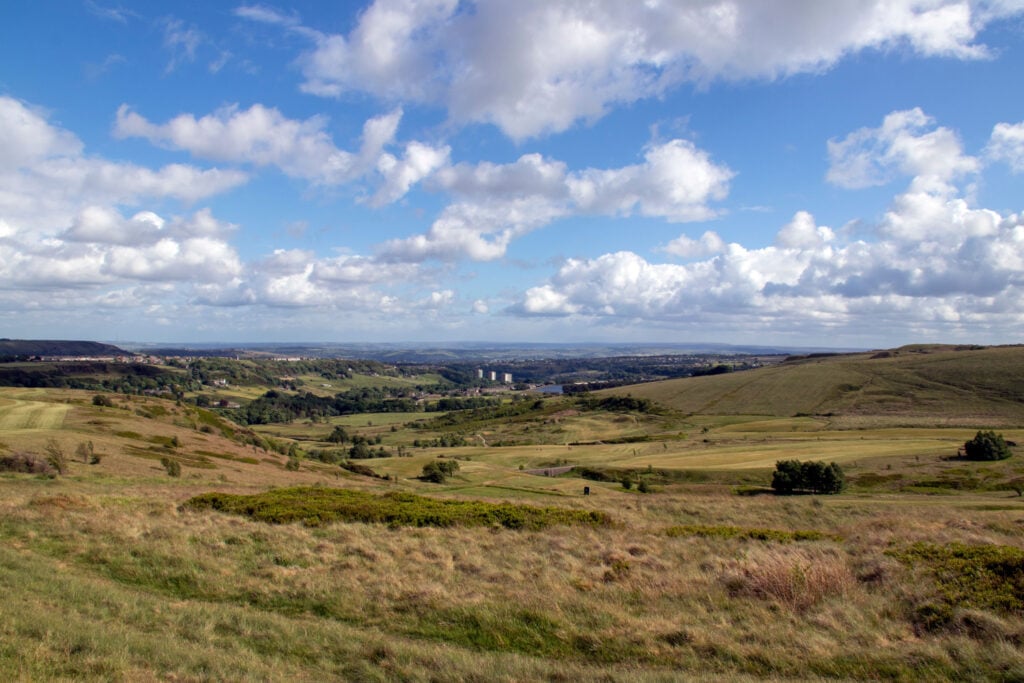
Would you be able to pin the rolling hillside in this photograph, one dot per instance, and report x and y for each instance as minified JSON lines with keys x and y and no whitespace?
{"x":49,"y":347}
{"x":920,"y":383}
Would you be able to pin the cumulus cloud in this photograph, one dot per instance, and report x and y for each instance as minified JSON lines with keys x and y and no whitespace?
{"x":935,"y":261}
{"x":500,"y":202}
{"x":63,"y":224}
{"x":45,"y":178}
{"x":803,"y":233}
{"x":906,"y":144}
{"x":481,"y":232}
{"x":263,"y":136}
{"x":1007,"y":144}
{"x":803,"y":283}
{"x":710,"y":243}
{"x":535,"y":67}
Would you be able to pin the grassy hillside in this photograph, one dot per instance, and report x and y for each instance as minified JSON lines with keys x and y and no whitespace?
{"x":934,"y":385}
{"x":47,"y":347}
{"x":118,"y":570}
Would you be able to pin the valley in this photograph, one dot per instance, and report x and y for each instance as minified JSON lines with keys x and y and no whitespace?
{"x":914,"y":571}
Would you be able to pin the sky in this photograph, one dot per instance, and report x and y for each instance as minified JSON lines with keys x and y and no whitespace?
{"x":789,"y":172}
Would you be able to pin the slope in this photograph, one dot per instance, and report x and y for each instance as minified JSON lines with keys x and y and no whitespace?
{"x":939,"y":383}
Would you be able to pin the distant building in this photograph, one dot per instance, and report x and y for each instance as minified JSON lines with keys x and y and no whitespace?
{"x":494,"y":376}
{"x":507,"y":378}
{"x":479,"y":373}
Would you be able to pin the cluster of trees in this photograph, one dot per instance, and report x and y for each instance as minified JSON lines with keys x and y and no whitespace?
{"x":443,"y":441}
{"x":793,"y":476}
{"x":125,"y":378}
{"x":987,"y":446}
{"x":438,"y":471}
{"x":618,"y":404}
{"x":275,"y":406}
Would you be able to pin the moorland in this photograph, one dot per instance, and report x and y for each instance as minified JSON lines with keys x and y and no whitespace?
{"x":218,"y":519}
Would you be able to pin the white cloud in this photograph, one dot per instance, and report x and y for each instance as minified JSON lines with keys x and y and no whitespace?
{"x":263,"y":136}
{"x":709,"y":244}
{"x":27,"y":138}
{"x":676,"y":181}
{"x":181,"y":41}
{"x":46,"y":180}
{"x":907,"y":144}
{"x":500,"y":202}
{"x":1007,"y":144}
{"x":419,"y":162}
{"x":481,"y":232}
{"x":936,"y":262}
{"x":803,"y":233}
{"x":958,"y":272}
{"x":535,"y":67}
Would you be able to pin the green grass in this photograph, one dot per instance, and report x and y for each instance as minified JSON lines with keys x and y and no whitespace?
{"x":316,"y":506}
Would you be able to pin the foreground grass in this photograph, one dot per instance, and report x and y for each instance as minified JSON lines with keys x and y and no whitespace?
{"x":117,"y":580}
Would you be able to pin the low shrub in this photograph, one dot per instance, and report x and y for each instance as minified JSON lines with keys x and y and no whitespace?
{"x":968,"y":577}
{"x":317,"y":506}
{"x":173,"y":467}
{"x":26,"y":463}
{"x":56,"y":457}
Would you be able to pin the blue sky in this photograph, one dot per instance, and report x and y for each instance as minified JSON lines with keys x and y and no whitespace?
{"x":790,"y":172}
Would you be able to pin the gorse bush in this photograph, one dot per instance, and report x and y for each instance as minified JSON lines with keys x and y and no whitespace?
{"x":173,"y":467}
{"x":793,"y":476}
{"x":987,"y":446}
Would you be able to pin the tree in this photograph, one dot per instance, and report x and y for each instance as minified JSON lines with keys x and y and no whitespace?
{"x":339,"y":435}
{"x":987,"y":446}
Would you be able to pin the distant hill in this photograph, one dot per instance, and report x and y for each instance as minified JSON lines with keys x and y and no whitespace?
{"x":966,"y":385}
{"x":52,"y":347}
